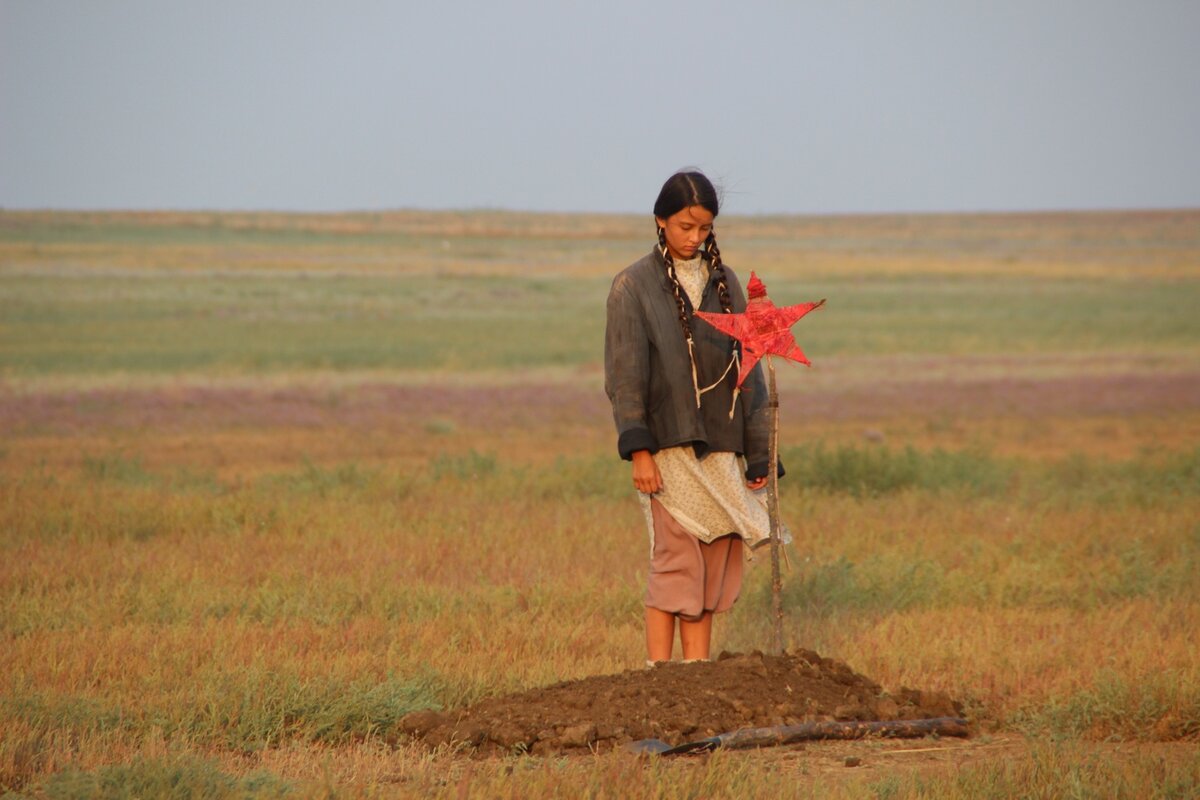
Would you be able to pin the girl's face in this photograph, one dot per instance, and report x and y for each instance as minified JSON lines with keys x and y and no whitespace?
{"x":686,"y":230}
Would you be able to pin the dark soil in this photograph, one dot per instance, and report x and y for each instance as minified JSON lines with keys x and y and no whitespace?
{"x":674,"y":702}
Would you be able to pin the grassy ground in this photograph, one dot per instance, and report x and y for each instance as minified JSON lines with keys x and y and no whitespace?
{"x":258,"y":499}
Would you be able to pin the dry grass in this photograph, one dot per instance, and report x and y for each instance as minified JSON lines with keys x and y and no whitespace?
{"x":233,"y":584}
{"x":154,"y":604}
{"x":1088,"y":246}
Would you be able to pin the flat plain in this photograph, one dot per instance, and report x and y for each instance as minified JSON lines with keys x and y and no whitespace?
{"x":270,"y":481}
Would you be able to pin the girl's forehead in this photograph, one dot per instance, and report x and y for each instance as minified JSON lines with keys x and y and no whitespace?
{"x":697,"y":215}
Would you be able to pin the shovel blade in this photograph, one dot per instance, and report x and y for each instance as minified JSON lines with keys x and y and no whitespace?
{"x":657,"y":747}
{"x":648,"y":747}
{"x":698,"y":746}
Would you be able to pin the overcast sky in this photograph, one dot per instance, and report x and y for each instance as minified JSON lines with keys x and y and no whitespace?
{"x":811,"y":107}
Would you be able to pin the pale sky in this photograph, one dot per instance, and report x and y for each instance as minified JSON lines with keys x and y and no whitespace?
{"x":795,"y":107}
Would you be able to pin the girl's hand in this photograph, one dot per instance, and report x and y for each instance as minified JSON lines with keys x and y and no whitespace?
{"x":757,"y":483}
{"x":646,"y":477}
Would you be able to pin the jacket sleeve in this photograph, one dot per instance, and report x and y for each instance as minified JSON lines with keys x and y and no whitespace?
{"x":627,"y":369}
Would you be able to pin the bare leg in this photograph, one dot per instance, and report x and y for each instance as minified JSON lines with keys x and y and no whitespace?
{"x":696,"y":637}
{"x":660,"y":634}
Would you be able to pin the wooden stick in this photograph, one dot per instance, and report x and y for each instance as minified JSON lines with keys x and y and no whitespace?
{"x":812,"y":731}
{"x":773,"y":508}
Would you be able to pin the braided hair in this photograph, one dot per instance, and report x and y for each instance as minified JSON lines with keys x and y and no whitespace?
{"x":673,"y":277}
{"x":718,"y":270}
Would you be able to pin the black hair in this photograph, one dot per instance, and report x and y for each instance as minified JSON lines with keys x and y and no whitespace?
{"x":683,"y":190}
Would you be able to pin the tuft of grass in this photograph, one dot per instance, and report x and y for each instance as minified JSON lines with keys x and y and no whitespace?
{"x":578,"y":478}
{"x":1075,"y":480}
{"x":322,"y":481}
{"x":119,"y":469}
{"x":259,"y":709}
{"x":179,"y":777}
{"x":1145,"y":481}
{"x":469,"y":466}
{"x":1161,"y":707}
{"x":440,"y":427}
{"x":79,"y":714}
{"x":871,"y":471}
{"x":878,"y":584}
{"x":244,"y":711}
{"x":1054,"y":770}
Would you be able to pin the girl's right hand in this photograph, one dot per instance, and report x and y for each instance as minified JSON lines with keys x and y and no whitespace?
{"x":646,"y":477}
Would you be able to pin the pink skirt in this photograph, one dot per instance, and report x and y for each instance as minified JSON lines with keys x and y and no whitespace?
{"x":689,"y":577}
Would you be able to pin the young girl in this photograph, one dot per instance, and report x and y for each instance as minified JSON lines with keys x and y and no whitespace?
{"x":699,"y":446}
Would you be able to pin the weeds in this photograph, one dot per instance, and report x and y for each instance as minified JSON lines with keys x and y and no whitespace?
{"x":868,"y":471}
{"x":180,"y":777}
{"x":1075,"y":480}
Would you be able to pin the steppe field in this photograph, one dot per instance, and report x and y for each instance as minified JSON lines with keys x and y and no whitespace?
{"x":270,"y":482}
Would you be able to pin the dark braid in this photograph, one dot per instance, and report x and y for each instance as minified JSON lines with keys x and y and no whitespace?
{"x":718,"y":269}
{"x":675,"y":287}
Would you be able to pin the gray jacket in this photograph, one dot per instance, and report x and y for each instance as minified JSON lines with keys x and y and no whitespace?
{"x":648,"y":377}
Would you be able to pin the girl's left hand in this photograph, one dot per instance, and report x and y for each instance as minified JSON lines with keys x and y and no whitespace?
{"x":757,"y":483}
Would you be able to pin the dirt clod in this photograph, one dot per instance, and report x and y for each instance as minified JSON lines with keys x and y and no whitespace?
{"x":675,"y":702}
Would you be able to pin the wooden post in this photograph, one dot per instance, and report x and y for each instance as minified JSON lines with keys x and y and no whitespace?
{"x":773,"y":507}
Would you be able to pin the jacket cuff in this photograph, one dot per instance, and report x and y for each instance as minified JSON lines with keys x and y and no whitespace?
{"x":759,"y":470}
{"x":636,"y":439}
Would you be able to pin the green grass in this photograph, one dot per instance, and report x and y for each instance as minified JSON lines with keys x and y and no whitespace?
{"x":181,"y":777}
{"x":245,"y":709}
{"x":1047,"y":771}
{"x":1074,"y":481}
{"x":1051,"y":771}
{"x":361,"y":235}
{"x":70,"y":324}
{"x":1165,"y":706}
{"x":327,"y":299}
{"x":180,"y":324}
{"x":867,"y":471}
{"x":981,"y":315}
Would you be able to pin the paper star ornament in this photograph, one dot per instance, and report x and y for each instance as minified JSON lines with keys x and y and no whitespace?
{"x":763,"y":328}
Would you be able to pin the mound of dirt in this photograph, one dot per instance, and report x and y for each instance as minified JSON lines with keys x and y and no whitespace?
{"x":675,"y":702}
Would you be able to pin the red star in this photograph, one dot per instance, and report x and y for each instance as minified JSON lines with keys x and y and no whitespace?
{"x":763,"y":328}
